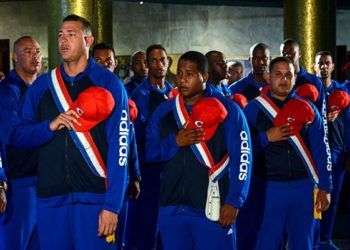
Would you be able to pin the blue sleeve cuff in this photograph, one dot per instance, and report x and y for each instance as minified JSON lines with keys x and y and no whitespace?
{"x":235,"y":202}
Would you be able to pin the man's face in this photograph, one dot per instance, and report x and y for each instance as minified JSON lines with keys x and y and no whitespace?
{"x":157,"y":63}
{"x":139,"y":65}
{"x":260,"y":61}
{"x":217,"y":65}
{"x":190,"y":81}
{"x":234,"y":73}
{"x":106,"y":58}
{"x":324,"y":66}
{"x":73,"y":43}
{"x":28,"y":56}
{"x":291,"y":51}
{"x":282,"y":79}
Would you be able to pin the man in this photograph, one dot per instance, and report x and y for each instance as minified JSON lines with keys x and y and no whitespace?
{"x":126,"y":224}
{"x":251,"y":85}
{"x":81,"y":176}
{"x":140,"y":70}
{"x":324,"y":67}
{"x":217,"y":70}
{"x":105,"y":55}
{"x":290,"y":48}
{"x":147,"y":96}
{"x":234,"y":72}
{"x":20,"y":217}
{"x":292,"y":141}
{"x":186,"y":218}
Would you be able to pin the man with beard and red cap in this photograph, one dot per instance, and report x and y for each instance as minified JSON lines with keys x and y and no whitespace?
{"x":288,"y":133}
{"x":324,"y":66}
{"x":147,"y":96}
{"x":217,"y":70}
{"x":251,"y":85}
{"x":18,"y":224}
{"x":205,"y":161}
{"x":83,"y":150}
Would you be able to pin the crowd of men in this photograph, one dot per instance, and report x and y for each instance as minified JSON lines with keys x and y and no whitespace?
{"x":210,"y":161}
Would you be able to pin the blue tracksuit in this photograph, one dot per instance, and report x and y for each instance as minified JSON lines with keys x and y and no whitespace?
{"x":221,"y":88}
{"x":132,"y":84}
{"x":336,"y":143}
{"x":20,"y":217}
{"x":247,"y":86}
{"x":184,"y":180}
{"x":70,"y":194}
{"x":147,"y":99}
{"x":288,"y":192}
{"x":127,"y":223}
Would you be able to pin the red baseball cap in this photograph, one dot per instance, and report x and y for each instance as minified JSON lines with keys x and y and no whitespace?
{"x":173,"y":93}
{"x":133,"y":111}
{"x":308,"y":91}
{"x":338,"y":100}
{"x":240,"y":99}
{"x":297,"y":113}
{"x":94,"y":105}
{"x":207,"y":113}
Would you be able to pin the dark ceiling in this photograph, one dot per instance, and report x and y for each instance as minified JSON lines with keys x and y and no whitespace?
{"x":341,"y":4}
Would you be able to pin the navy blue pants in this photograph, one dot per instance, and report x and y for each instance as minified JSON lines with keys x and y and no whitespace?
{"x":288,"y":211}
{"x":250,"y":215}
{"x":188,"y":229}
{"x":145,"y":236}
{"x":70,"y":226}
{"x":324,"y":229}
{"x":18,"y":225}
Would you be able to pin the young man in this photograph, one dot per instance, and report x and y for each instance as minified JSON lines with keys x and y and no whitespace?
{"x":217,"y":70}
{"x":81,"y":175}
{"x":20,"y":217}
{"x":290,"y":48}
{"x":324,"y":67}
{"x":147,"y":96}
{"x":105,"y":55}
{"x":295,"y":161}
{"x":190,"y":217}
{"x":251,"y":85}
{"x":140,"y":70}
{"x":234,"y":71}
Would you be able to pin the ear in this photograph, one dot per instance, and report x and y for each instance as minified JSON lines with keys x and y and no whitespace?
{"x":89,"y":40}
{"x":205,"y":76}
{"x":14,"y":57}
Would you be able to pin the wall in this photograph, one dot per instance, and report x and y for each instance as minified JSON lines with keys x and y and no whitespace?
{"x":178,"y":27}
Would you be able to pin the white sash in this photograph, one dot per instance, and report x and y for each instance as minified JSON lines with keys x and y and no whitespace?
{"x":202,"y":153}
{"x":83,"y":140}
{"x":296,"y":140}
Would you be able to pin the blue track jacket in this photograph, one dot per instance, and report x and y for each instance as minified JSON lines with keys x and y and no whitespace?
{"x":184,"y":179}
{"x":62,"y":169}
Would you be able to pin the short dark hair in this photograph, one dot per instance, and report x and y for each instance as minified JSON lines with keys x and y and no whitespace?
{"x":235,"y":64}
{"x":19,"y":40}
{"x":154,"y":47}
{"x":197,"y":58}
{"x":212,"y":52}
{"x":278,"y":60}
{"x":102,"y":46}
{"x":323,"y":53}
{"x":290,"y":41}
{"x":86,"y":24}
{"x":258,"y":46}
